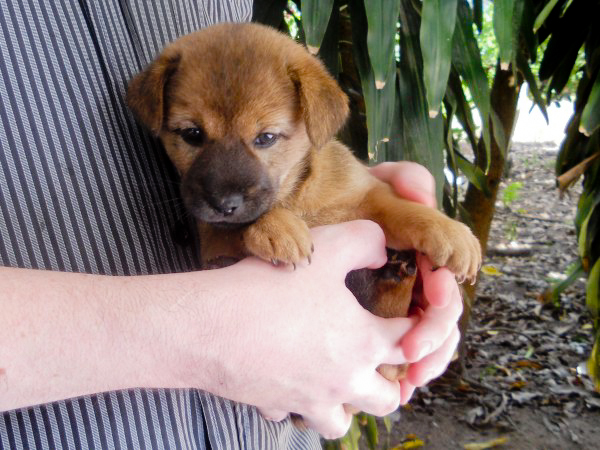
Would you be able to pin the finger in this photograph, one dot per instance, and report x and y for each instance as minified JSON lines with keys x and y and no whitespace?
{"x":393,"y":331}
{"x":432,"y":366}
{"x":350,"y":245}
{"x":331,"y":423}
{"x":407,"y":389}
{"x":438,"y":285}
{"x":433,"y":329}
{"x":410,"y":180}
{"x":377,"y":396}
{"x":274,"y":415}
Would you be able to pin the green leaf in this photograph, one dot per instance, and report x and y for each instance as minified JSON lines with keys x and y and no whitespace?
{"x":478,"y":14}
{"x":586,"y":234}
{"x":329,"y":52}
{"x":592,"y":294}
{"x":473,"y":173}
{"x":372,"y":433}
{"x":380,"y":104}
{"x":573,"y":274}
{"x":517,"y":19}
{"x":594,"y":362}
{"x":438,"y":18}
{"x":382,"y":16}
{"x":567,"y":38}
{"x":590,"y":117}
{"x":543,"y":15}
{"x":422,"y":138}
{"x":350,"y":440}
{"x":503,"y":29}
{"x":466,"y":59}
{"x":526,"y":31}
{"x":315,"y":17}
{"x":462,"y":108}
{"x":387,"y":422}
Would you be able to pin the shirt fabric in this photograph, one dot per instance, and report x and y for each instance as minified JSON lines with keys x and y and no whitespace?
{"x":83,"y":188}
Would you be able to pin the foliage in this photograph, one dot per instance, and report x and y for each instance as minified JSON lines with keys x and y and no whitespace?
{"x":438,"y":73}
{"x":511,"y":193}
{"x":570,"y":27}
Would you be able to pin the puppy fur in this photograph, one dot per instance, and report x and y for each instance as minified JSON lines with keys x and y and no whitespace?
{"x":248,"y":117}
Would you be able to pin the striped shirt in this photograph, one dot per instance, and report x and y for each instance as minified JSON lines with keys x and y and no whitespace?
{"x":84,"y":189}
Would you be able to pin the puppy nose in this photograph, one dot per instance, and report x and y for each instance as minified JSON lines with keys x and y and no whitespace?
{"x":227,"y":205}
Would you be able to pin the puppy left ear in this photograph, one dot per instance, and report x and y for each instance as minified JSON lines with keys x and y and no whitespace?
{"x":324,"y":105}
{"x":146,"y":91}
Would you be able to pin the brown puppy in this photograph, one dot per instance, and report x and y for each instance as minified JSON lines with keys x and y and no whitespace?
{"x":248,"y":117}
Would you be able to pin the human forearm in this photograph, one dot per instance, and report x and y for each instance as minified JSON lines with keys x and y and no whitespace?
{"x":64,"y":334}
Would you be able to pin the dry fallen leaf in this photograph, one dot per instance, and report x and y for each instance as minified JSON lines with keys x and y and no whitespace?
{"x":491,"y":270}
{"x":527,"y":364}
{"x":410,"y":441}
{"x":518,"y":384}
{"x":485,"y":445}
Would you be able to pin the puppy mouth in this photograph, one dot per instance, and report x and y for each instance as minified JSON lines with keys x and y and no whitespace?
{"x":227,"y":212}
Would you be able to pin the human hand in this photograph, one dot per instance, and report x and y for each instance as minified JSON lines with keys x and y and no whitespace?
{"x":308,"y":346}
{"x":430,"y":345}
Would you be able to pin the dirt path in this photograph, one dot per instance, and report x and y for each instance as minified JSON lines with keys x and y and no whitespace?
{"x":521,"y":383}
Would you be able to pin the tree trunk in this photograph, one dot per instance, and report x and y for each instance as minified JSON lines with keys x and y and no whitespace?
{"x":504,"y":98}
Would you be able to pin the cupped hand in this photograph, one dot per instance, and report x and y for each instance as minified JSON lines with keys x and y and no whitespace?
{"x":310,"y":348}
{"x":430,"y":345}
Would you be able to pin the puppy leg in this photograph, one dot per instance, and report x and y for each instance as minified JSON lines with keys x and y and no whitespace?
{"x":393,"y":290}
{"x":409,"y":225}
{"x":279,"y":236}
{"x":218,"y":247}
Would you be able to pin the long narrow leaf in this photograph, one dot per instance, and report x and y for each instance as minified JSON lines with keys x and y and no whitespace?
{"x":473,"y":173}
{"x":517,"y":20}
{"x":590,"y":117}
{"x":543,"y":15}
{"x":566,"y":39}
{"x":584,"y":238}
{"x":350,"y":441}
{"x":592,"y":297}
{"x":382,"y":16}
{"x":478,"y":14}
{"x":462,"y":108}
{"x":553,"y":293}
{"x":380,"y":104}
{"x":503,"y":29}
{"x":372,"y":433}
{"x":438,"y":18}
{"x":526,"y":31}
{"x":466,"y":59}
{"x":315,"y":17}
{"x":422,"y":137}
{"x":594,"y":362}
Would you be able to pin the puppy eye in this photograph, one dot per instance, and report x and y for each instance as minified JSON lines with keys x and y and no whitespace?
{"x":265,"y":140}
{"x":193,"y":136}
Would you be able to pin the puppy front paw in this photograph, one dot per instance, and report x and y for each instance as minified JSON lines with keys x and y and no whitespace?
{"x":280,"y":237}
{"x":452,"y":244}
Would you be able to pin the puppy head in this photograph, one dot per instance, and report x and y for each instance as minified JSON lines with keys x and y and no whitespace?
{"x":239,"y":108}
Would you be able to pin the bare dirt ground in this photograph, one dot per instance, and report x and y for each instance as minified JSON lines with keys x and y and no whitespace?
{"x":521,"y":387}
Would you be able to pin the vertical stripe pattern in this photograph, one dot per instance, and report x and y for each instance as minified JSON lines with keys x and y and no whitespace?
{"x":84,"y":189}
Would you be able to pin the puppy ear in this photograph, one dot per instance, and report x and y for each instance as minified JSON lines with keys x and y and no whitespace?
{"x":324,"y":105}
{"x":146,"y":91}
